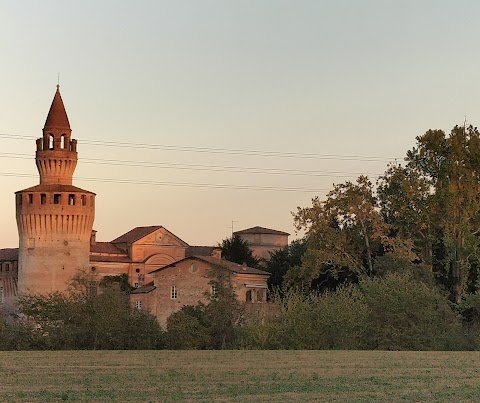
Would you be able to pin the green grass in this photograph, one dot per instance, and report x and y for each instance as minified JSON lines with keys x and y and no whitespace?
{"x":279,"y":376}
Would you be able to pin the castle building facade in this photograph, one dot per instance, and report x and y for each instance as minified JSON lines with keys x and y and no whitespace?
{"x":57,"y":242}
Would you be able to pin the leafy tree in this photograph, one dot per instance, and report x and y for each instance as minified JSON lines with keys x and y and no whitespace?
{"x":282,"y":260}
{"x":435,"y":200}
{"x":237,"y":250}
{"x":79,"y":320}
{"x":216,"y":325}
{"x":345,"y":233}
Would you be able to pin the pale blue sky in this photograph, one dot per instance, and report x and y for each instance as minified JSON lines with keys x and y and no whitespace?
{"x":342,"y":78}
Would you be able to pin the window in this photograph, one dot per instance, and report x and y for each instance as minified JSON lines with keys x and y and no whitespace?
{"x":92,"y":288}
{"x":56,"y":198}
{"x":213,"y":291}
{"x":259,"y":295}
{"x":248,"y":296}
{"x":173,"y":292}
{"x":136,"y":285}
{"x":30,"y":198}
{"x":138,"y":304}
{"x":71,"y":200}
{"x":20,"y":199}
{"x":62,"y":141}
{"x":7,"y":266}
{"x":50,"y":141}
{"x":43,"y":198}
{"x":84,"y":200}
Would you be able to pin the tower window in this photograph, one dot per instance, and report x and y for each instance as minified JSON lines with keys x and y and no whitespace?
{"x":30,"y":198}
{"x":173,"y":292}
{"x":20,"y":199}
{"x":43,"y":198}
{"x":57,"y":198}
{"x":138,"y":304}
{"x":50,"y":141}
{"x":71,"y":200}
{"x":84,"y":200}
{"x":62,"y":141}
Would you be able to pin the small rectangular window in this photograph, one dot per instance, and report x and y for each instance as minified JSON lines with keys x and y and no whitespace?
{"x":57,"y":198}
{"x":20,"y":199}
{"x":92,"y":288}
{"x":213,"y":291}
{"x":136,"y":285}
{"x":43,"y":198}
{"x":173,"y":292}
{"x":138,"y":304}
{"x":84,"y":200}
{"x":7,"y":266}
{"x":71,"y":200}
{"x":30,"y":198}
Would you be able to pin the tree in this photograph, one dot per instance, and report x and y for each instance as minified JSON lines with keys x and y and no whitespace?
{"x":344,"y":234}
{"x":235,"y":249}
{"x":282,"y":260}
{"x":216,"y":325}
{"x":78,"y":320}
{"x":435,"y":200}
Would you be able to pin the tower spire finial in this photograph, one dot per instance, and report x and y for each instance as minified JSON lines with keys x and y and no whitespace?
{"x":58,"y":81}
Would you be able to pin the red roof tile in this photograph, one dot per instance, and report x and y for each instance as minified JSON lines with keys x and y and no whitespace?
{"x":8,"y":254}
{"x":260,"y":230}
{"x":136,"y":234}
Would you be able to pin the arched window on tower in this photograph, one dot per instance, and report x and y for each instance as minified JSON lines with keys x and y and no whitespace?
{"x":71,"y":200}
{"x":62,"y":141}
{"x":50,"y":141}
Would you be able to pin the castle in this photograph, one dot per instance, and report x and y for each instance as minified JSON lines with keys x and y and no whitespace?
{"x":57,"y":241}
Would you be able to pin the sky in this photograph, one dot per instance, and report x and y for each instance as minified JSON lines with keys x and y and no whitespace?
{"x":206,"y":115}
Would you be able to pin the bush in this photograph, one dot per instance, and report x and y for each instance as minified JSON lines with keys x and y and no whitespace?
{"x":332,"y":320}
{"x":408,"y":315}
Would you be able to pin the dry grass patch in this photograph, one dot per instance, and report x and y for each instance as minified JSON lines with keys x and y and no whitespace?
{"x":280,"y":376}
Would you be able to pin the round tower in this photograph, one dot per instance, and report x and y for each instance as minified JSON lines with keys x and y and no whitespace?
{"x":54,"y":218}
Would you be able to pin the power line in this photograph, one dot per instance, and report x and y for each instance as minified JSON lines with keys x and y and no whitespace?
{"x":180,"y":184}
{"x":201,"y":167}
{"x":212,"y":150}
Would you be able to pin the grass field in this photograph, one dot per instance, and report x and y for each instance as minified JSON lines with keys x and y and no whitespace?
{"x":275,"y":376}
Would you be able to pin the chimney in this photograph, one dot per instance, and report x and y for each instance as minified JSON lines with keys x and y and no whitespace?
{"x":93,"y":237}
{"x":217,"y":253}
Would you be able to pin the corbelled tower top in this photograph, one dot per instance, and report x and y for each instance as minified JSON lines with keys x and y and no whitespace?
{"x":56,"y":155}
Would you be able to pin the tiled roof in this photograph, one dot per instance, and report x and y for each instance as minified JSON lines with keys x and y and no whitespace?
{"x":233,"y":267}
{"x":106,"y":247}
{"x":106,"y":258}
{"x":57,"y":116}
{"x":55,"y":188}
{"x":8,"y":254}
{"x":136,"y":234}
{"x":200,"y":250}
{"x":144,"y":289}
{"x":260,"y":230}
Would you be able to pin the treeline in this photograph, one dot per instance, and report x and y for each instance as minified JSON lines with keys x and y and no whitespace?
{"x":389,"y":312}
{"x":390,"y":265}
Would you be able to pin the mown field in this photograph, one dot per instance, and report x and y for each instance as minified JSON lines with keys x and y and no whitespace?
{"x":276,"y":376}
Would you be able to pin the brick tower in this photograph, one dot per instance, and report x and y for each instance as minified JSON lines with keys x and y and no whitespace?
{"x":54,"y":218}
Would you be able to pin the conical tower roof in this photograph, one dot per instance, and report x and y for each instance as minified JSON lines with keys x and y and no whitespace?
{"x":57,"y":116}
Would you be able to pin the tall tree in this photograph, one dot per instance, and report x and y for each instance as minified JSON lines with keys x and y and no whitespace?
{"x":450,"y":165}
{"x":237,"y":250}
